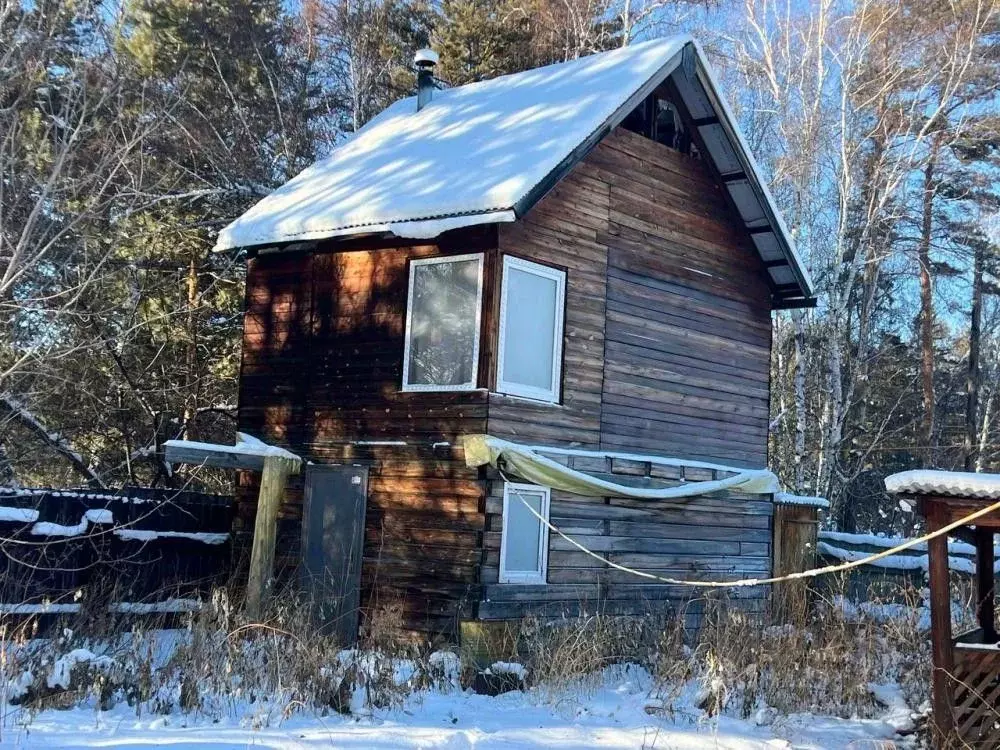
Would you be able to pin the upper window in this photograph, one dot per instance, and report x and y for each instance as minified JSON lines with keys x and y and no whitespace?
{"x":524,"y":539}
{"x":529,"y":360}
{"x":442,"y":323}
{"x":656,"y":117}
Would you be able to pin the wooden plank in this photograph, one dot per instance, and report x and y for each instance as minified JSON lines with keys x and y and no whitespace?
{"x":218,"y":457}
{"x":506,"y":592}
{"x":985,"y":584}
{"x":276,"y":471}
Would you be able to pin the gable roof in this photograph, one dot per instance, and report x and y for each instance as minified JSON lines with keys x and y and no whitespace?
{"x":488,"y":151}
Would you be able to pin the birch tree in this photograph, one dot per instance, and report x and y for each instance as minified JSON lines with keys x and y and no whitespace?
{"x":843,"y":105}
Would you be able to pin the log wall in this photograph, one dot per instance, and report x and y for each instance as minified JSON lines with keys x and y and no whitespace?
{"x":725,"y":535}
{"x":322,"y":368}
{"x":666,"y":349}
{"x":668,"y":330}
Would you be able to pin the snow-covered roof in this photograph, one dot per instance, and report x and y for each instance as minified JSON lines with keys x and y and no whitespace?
{"x":488,"y":151}
{"x":787,"y":498}
{"x":956,"y":483}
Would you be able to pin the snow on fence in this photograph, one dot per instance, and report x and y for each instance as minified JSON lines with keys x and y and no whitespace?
{"x":140,"y":550}
{"x":908,"y":566}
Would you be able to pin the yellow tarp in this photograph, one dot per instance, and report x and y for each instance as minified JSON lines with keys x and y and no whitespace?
{"x":531,"y":466}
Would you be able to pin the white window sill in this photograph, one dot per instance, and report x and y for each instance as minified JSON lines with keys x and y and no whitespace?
{"x":523,"y":582}
{"x":527,"y":400}
{"x":438,"y":389}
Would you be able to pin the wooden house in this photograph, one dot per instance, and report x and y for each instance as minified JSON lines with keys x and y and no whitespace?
{"x":582,"y":258}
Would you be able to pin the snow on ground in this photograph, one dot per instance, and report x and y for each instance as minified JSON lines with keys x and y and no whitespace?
{"x":609,"y":716}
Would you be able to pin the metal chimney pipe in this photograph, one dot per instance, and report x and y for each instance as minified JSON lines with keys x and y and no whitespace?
{"x":425,"y":60}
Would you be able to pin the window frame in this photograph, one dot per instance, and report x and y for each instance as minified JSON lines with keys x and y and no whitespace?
{"x":541,"y":576}
{"x":408,"y":387}
{"x":507,"y":388}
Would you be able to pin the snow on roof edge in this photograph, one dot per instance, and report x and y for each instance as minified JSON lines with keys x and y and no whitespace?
{"x":416,"y":228}
{"x":787,"y":498}
{"x":954,"y":483}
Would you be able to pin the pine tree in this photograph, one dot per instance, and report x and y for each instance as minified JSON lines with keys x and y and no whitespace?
{"x":481,"y":39}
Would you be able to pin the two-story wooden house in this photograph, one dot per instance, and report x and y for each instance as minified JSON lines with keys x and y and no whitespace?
{"x":582,"y":257}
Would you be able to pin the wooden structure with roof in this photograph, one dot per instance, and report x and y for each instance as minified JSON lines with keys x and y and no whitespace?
{"x":583,"y":257}
{"x":966,"y":666}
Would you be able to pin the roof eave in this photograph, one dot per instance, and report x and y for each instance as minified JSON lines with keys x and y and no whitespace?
{"x":805,"y":294}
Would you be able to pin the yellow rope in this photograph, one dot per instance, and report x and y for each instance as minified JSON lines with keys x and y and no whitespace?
{"x":776,"y":579}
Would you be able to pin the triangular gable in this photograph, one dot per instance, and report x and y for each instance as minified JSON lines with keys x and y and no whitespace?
{"x":487,"y":152}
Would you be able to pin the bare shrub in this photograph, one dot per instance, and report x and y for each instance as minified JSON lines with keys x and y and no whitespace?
{"x":823,"y":657}
{"x":574,"y":651}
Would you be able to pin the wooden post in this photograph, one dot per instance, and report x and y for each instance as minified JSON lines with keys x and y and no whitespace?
{"x":793,"y":550}
{"x":277,"y":469}
{"x":941,"y":645}
{"x":985,"y":603}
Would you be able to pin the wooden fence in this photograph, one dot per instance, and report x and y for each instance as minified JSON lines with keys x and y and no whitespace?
{"x":135,"y":550}
{"x":886,"y":578}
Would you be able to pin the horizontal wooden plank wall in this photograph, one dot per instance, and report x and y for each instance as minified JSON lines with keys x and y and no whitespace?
{"x":561,"y":231}
{"x":688,"y":334}
{"x":667,"y":351}
{"x":322,"y":370}
{"x":668,"y":318}
{"x":720,"y":536}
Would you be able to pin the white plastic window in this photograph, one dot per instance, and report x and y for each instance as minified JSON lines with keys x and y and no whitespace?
{"x":529,"y":360}
{"x":443,"y":312}
{"x":525,"y":539}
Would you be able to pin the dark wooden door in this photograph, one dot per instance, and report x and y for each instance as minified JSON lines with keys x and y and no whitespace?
{"x":333,"y":533}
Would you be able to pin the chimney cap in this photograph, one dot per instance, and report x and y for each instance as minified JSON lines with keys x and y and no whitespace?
{"x":426,"y":58}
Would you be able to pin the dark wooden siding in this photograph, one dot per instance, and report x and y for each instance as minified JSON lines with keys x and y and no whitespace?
{"x":688,"y":337}
{"x":666,"y":352}
{"x":668,"y":329}
{"x":667,"y":343}
{"x":561,"y":231}
{"x":322,"y":369}
{"x":725,"y":535}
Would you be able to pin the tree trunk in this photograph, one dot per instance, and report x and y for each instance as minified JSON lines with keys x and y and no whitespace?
{"x":984,"y":431}
{"x":191,"y":355}
{"x":800,"y":399}
{"x":927,"y":310}
{"x":972,"y":380}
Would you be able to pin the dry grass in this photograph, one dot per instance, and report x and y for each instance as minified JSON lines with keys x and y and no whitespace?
{"x":218,"y":664}
{"x":817,"y":658}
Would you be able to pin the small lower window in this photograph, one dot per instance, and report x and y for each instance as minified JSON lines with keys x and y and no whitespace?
{"x":524,"y":541}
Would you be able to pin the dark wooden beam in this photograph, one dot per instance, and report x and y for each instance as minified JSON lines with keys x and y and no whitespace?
{"x":794,"y":304}
{"x":941,"y":645}
{"x":211,"y":456}
{"x":701,"y":121}
{"x":985,"y":594}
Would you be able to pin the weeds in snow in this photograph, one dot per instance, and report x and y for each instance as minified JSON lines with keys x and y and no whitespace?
{"x":824,"y":656}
